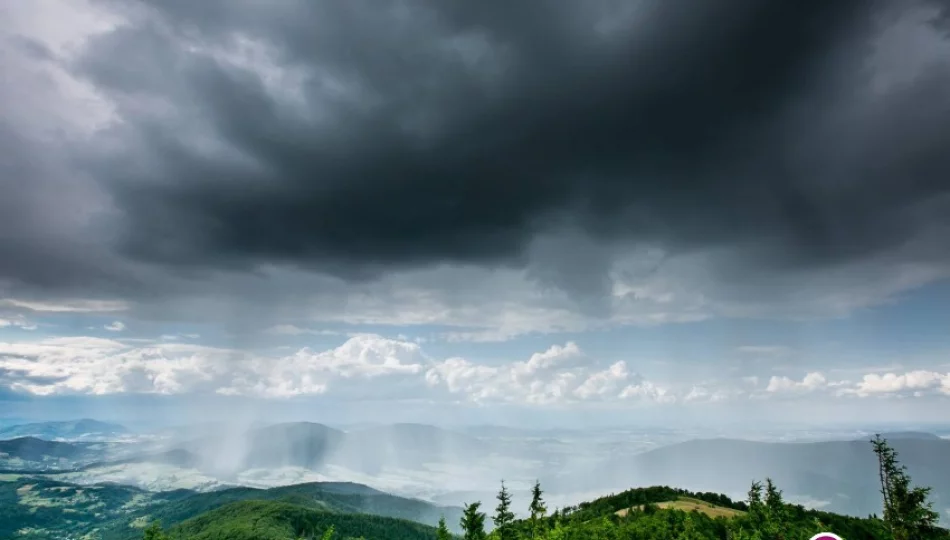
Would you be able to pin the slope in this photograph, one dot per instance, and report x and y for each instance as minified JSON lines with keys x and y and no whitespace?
{"x":50,"y":509}
{"x":43,"y":508}
{"x":331,"y":496}
{"x":664,"y":513}
{"x":270,"y":520}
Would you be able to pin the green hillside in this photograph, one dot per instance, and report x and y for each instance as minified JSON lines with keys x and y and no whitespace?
{"x":666,"y":513}
{"x":35,"y":507}
{"x":335,"y":497}
{"x":269,"y":520}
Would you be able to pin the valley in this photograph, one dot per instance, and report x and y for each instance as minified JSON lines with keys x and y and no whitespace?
{"x":420,"y":472}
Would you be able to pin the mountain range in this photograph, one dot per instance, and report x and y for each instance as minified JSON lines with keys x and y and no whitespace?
{"x":451,"y":468}
{"x":34,"y":454}
{"x":82,"y":429}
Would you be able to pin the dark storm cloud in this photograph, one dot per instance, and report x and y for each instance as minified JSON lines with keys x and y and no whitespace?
{"x":459,"y":131}
{"x":34,"y":220}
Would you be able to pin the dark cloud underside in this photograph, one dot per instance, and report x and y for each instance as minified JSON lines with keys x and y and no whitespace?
{"x":427,"y":131}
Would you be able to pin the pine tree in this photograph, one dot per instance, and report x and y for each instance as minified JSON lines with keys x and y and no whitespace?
{"x":442,"y":531}
{"x":757,"y":516}
{"x":537,"y":511}
{"x":776,"y":518}
{"x":328,"y":534}
{"x":473,"y":522}
{"x":504,"y":518}
{"x":907,"y":513}
{"x":756,"y":510}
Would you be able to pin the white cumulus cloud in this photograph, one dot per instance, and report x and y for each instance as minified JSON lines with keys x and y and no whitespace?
{"x":560,"y":374}
{"x":811,"y":381}
{"x":86,"y":365}
{"x":912,"y":382}
{"x":373,"y":366}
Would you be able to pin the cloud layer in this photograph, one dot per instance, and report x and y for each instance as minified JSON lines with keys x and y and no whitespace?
{"x":786,"y":160}
{"x":373,"y":367}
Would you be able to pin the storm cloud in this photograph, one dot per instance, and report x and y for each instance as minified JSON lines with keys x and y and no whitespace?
{"x":356,"y":139}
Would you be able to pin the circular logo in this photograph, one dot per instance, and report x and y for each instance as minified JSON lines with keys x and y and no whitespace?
{"x":826,"y":536}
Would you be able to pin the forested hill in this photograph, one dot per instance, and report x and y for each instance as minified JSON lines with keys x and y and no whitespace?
{"x":272,"y":520}
{"x":663,"y":512}
{"x":35,"y":507}
{"x":651,"y":513}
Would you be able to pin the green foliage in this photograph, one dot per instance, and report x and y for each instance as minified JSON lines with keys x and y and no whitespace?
{"x":907,"y":513}
{"x":270,"y":520}
{"x":537,"y":512}
{"x":473,"y":522}
{"x":768,"y":518}
{"x":504,"y":518}
{"x":154,"y":532}
{"x":442,"y":531}
{"x":36,"y":507}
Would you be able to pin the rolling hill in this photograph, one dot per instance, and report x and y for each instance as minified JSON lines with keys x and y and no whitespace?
{"x":690,"y":504}
{"x":270,"y":520}
{"x":43,"y":508}
{"x":31,"y":453}
{"x":665,"y":513}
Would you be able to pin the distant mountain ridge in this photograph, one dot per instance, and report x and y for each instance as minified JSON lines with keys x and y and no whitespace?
{"x":69,"y":430}
{"x":897,"y":435}
{"x":32,"y":453}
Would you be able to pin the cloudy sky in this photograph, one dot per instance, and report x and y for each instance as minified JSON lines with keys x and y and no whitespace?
{"x":414,"y":209}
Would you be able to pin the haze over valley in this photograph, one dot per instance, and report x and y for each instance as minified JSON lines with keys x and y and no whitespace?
{"x":431,"y":463}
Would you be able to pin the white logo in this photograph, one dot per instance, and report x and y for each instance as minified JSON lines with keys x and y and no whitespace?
{"x":826,"y":536}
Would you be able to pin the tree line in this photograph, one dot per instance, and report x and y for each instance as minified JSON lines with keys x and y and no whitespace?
{"x":636,"y":514}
